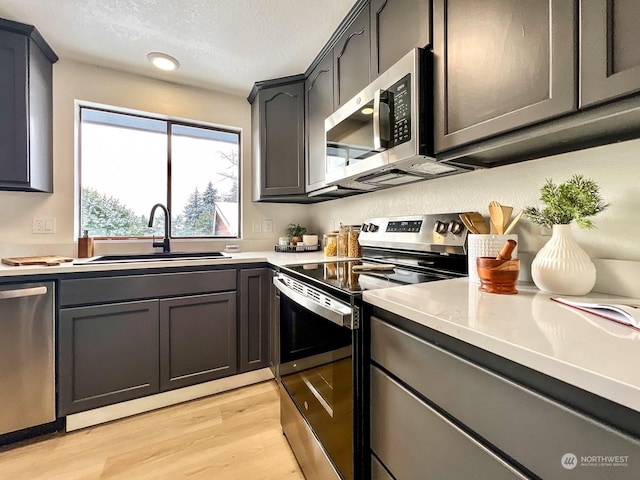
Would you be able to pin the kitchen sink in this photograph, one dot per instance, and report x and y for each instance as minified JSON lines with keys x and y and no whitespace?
{"x":153,"y":257}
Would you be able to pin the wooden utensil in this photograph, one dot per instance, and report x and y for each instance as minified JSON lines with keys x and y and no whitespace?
{"x":506,"y":215}
{"x":478,"y":222}
{"x":495,"y":217}
{"x":381,"y":267}
{"x":464,"y":217}
{"x":513,"y":223}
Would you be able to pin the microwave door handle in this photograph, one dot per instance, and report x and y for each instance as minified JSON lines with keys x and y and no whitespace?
{"x":377,"y":138}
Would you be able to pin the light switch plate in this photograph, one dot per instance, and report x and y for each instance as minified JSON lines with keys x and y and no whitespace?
{"x":43,"y":225}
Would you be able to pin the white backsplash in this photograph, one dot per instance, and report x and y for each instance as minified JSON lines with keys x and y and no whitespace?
{"x":615,"y":167}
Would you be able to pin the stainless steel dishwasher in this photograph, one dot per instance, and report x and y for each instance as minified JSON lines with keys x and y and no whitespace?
{"x":27,"y":356}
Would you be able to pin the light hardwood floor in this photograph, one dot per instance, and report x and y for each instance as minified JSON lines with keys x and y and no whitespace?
{"x":233,"y":435}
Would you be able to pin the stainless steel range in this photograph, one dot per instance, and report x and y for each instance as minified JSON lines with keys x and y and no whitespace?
{"x":321,"y":368}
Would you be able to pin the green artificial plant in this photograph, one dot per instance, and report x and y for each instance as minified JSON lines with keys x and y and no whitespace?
{"x":295,"y":230}
{"x":576,"y":199}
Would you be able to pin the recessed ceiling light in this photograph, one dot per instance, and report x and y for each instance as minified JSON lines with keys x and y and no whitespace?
{"x":366,"y":111}
{"x":163,"y":61}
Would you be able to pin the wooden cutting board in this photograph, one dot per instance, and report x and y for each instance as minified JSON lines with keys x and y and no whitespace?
{"x":47,"y":260}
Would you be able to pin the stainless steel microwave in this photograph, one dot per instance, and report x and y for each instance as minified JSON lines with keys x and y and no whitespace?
{"x":384,"y":135}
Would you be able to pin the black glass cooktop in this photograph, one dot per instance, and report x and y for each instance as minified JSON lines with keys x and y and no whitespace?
{"x":341,"y":275}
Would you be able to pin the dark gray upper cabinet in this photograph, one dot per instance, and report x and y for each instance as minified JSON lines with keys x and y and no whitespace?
{"x":609,"y":53}
{"x":351,"y":55}
{"x":397,"y":26}
{"x":26,"y":111}
{"x":501,"y":65}
{"x":197,"y":339}
{"x":277,"y":118}
{"x":319,"y":101}
{"x":254,"y":318}
{"x":107,"y":354}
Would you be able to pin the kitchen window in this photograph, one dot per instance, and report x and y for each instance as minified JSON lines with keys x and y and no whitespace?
{"x":129,"y":162}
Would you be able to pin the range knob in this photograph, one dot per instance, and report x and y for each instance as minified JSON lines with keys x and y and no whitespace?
{"x":440,"y":227}
{"x":373,"y":227}
{"x":456,"y":227}
{"x":364,"y":227}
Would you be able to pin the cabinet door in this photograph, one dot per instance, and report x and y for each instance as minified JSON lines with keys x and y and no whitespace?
{"x":501,"y":65}
{"x":197,"y":339}
{"x":351,"y":59}
{"x":609,"y":53}
{"x":397,"y":26}
{"x":319,"y":98}
{"x":254,"y":318}
{"x":281,"y":131}
{"x":14,"y":168}
{"x":107,"y":354}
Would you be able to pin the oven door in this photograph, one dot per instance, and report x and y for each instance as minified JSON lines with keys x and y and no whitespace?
{"x":317,"y":377}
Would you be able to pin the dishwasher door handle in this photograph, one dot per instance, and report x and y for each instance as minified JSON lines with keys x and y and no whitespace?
{"x":22,"y":292}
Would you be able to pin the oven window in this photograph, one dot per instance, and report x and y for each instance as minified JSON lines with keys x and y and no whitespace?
{"x":304,"y":334}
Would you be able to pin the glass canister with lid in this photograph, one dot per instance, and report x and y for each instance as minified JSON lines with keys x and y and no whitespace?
{"x":343,"y":238}
{"x":354,"y":249}
{"x":330,"y":244}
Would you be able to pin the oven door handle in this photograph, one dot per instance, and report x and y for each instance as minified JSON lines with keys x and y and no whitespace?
{"x":338,"y":313}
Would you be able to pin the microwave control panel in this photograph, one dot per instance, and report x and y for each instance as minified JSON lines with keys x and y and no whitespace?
{"x":400,"y":100}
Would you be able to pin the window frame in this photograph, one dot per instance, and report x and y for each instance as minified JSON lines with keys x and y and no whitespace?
{"x":170,"y":121}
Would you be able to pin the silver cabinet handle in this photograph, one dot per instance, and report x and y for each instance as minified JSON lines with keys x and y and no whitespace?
{"x":23,"y":292}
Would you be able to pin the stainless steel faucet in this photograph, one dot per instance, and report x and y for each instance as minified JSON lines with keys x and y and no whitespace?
{"x":165,"y":244}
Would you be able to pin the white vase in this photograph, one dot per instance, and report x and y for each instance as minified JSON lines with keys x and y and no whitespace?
{"x":562,"y":266}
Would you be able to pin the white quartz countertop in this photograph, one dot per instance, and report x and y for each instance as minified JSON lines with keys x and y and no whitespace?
{"x":272,"y":257}
{"x":589,"y":352}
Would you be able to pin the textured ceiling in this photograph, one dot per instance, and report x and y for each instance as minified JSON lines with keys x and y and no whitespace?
{"x":223,"y":45}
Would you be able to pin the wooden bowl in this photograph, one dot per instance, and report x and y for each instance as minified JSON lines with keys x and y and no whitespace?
{"x":498,"y":276}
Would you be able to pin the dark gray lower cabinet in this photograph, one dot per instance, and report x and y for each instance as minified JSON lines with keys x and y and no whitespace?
{"x":197,"y":339}
{"x":107,"y":354}
{"x":423,"y":383}
{"x":127,"y":336}
{"x":416,"y":442}
{"x":254,"y":318}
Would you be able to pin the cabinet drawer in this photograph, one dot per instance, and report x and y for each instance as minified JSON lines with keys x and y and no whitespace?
{"x":509,"y":416}
{"x":378,"y":472}
{"x":85,"y":291}
{"x":415,"y":442}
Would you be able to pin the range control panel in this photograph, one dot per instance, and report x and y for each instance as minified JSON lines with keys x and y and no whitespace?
{"x":404,"y":226}
{"x":441,"y":233}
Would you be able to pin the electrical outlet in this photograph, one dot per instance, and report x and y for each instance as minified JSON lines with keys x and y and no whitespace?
{"x":332,"y":224}
{"x":268,"y":226}
{"x":257,"y":225}
{"x":43,"y":225}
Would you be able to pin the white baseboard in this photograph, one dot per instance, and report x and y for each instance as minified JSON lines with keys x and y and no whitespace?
{"x":96,"y":416}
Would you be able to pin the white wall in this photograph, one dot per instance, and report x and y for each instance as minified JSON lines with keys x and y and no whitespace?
{"x":615,"y":167}
{"x":76,"y":81}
